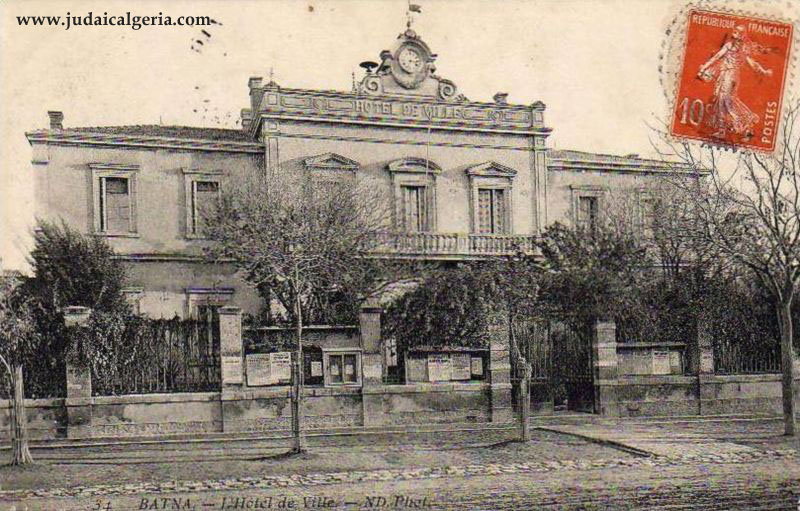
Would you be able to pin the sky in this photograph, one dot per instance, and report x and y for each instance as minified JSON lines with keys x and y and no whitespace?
{"x":594,"y":63}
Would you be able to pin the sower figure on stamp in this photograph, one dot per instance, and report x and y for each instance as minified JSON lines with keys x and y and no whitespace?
{"x":729,"y":113}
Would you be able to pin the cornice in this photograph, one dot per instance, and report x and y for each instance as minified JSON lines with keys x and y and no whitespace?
{"x":92,"y":139}
{"x":643,"y":167}
{"x":397,"y":110}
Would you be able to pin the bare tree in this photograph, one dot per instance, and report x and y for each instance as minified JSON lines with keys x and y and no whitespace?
{"x":298,"y":236}
{"x":17,"y":339}
{"x":746,"y":207}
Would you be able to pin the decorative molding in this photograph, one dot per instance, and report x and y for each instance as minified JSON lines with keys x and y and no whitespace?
{"x":86,"y":138}
{"x":414,"y":165}
{"x":203,"y":172}
{"x":375,"y":140}
{"x":210,"y":290}
{"x":116,"y":167}
{"x":491,"y":169}
{"x":331,"y":161}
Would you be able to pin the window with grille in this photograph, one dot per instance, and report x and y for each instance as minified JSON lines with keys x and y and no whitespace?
{"x":587,"y":213}
{"x":116,"y":207}
{"x":204,"y":193}
{"x":415,"y":208}
{"x":491,"y":211}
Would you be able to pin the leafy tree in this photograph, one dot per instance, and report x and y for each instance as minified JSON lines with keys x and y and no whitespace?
{"x":589,"y":274}
{"x":71,"y":269}
{"x":298,"y":238}
{"x":18,"y":340}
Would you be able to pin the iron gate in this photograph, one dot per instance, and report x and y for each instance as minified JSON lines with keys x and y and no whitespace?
{"x":561,"y":360}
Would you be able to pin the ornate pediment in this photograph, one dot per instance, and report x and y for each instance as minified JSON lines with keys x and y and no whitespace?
{"x":408,"y":69}
{"x":491,"y":169}
{"x":418,"y":165}
{"x":331,"y":161}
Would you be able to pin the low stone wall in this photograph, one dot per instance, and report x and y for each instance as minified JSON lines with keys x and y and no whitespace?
{"x":422,"y":403}
{"x":47,"y":418}
{"x":266,"y":409}
{"x":670,"y":395}
{"x":155,"y":414}
{"x":270,"y":409}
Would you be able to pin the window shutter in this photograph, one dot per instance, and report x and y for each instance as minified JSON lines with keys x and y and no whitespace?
{"x":484,"y":211}
{"x":132,"y":204}
{"x":103,"y":224}
{"x":499,"y":212}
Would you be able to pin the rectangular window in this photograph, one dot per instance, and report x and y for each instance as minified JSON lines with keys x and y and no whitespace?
{"x":204,"y":193}
{"x":491,"y":211}
{"x":587,"y":213}
{"x":115,"y":205}
{"x":415,"y":210}
{"x":342,"y":368}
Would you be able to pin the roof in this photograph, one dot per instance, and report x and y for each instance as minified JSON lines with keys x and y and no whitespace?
{"x":569,"y":159}
{"x":570,"y":154}
{"x":156,"y":130}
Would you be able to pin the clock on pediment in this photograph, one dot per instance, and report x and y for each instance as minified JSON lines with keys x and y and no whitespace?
{"x":410,"y":64}
{"x":407,"y":70}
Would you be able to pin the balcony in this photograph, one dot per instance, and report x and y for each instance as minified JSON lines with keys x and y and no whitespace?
{"x":450,"y":245}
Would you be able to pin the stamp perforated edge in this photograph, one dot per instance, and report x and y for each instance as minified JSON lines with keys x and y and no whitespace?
{"x":673,"y":47}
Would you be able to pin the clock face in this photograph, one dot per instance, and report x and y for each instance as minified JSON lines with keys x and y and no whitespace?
{"x":409,"y":60}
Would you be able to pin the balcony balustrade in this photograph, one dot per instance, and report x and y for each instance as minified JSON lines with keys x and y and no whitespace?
{"x":450,"y":245}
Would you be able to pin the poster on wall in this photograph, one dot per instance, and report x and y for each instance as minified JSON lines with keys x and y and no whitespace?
{"x":232,"y":369}
{"x":661,"y":362}
{"x":316,"y":368}
{"x":280,"y":367}
{"x":258,"y":370}
{"x":461,"y":366}
{"x":439,"y":367}
{"x":415,"y":369}
{"x":476,"y":366}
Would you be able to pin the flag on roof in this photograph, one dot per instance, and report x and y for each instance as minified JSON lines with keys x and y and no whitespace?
{"x":414,"y":8}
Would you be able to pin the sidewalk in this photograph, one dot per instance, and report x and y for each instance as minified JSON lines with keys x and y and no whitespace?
{"x":649,"y":440}
{"x":690,"y":436}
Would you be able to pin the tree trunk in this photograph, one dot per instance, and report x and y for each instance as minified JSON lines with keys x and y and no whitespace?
{"x":524,"y":403}
{"x":19,"y":427}
{"x":787,"y":363}
{"x":297,"y":381}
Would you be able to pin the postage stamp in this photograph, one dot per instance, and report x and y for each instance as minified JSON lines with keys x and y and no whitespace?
{"x":732,"y":79}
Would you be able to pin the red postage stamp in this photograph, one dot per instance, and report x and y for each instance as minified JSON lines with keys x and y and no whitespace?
{"x":732,"y":79}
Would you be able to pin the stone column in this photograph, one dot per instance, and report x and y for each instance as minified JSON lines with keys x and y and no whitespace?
{"x":371,"y":363}
{"x":500,"y":370}
{"x":79,"y":383}
{"x":605,"y":368}
{"x":230,"y":347}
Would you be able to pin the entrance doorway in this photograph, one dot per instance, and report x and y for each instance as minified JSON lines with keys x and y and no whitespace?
{"x":561,"y":360}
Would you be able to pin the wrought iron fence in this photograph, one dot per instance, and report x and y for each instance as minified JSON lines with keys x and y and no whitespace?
{"x":752,"y":358}
{"x":159,"y":355}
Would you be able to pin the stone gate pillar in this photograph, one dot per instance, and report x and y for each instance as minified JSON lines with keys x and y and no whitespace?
{"x":230,"y":347}
{"x":500,"y":369}
{"x":79,"y":382}
{"x":369,"y":319}
{"x":605,"y":368}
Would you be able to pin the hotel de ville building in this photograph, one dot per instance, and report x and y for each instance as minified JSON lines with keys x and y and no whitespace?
{"x":469,"y":179}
